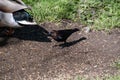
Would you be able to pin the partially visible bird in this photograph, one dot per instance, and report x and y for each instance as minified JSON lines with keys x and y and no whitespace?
{"x":62,"y":35}
{"x":10,"y":6}
{"x":13,"y":15}
{"x":22,"y":17}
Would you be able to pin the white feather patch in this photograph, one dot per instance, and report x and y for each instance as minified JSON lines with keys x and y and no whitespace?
{"x":27,"y":23}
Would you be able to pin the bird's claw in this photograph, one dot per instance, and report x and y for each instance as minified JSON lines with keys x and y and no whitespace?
{"x":8,"y":32}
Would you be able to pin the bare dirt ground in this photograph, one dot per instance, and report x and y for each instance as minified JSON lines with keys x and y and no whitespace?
{"x":30,"y":55}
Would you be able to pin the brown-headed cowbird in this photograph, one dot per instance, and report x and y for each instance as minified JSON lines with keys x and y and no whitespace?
{"x":62,"y":35}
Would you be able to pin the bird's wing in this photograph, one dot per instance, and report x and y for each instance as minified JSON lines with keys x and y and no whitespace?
{"x":20,"y":2}
{"x":11,"y":5}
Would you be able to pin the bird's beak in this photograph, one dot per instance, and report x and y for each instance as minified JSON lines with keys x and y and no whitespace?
{"x":49,"y":34}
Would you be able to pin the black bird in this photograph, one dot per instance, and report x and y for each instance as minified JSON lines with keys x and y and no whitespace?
{"x":62,"y":35}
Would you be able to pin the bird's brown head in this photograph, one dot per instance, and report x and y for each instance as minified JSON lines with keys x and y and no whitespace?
{"x":53,"y":33}
{"x":76,"y":29}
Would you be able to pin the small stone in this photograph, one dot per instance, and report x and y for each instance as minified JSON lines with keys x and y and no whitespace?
{"x":87,"y":29}
{"x":23,"y":69}
{"x":95,"y":66}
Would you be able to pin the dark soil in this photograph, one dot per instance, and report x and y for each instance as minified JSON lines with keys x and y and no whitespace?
{"x":30,"y":55}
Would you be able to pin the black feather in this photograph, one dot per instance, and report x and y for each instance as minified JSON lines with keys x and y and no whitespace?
{"x":62,"y":35}
{"x":22,"y":15}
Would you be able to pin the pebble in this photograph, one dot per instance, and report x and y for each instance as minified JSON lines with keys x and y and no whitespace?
{"x":87,"y":29}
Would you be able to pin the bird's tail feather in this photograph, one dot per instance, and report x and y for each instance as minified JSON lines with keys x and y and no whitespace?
{"x":27,"y":22}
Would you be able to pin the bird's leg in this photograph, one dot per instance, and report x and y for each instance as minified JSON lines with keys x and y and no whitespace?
{"x":9,"y":32}
{"x":65,"y":42}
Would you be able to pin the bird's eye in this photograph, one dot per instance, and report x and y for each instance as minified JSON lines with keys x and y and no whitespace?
{"x":59,"y":37}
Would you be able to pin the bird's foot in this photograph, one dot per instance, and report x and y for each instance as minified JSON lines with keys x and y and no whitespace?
{"x":8,"y":32}
{"x":55,"y":46}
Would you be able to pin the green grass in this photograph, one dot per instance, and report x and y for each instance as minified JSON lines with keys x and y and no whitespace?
{"x":100,"y":14}
{"x":113,"y":78}
{"x":53,"y":10}
{"x":117,"y":77}
{"x":107,"y":77}
{"x":117,"y":64}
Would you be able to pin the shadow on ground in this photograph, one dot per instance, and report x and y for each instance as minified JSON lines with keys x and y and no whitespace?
{"x":30,"y":33}
{"x":68,"y":44}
